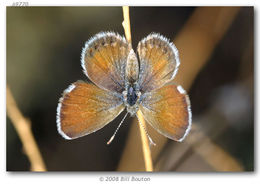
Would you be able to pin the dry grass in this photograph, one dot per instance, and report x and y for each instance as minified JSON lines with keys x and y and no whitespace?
{"x":23,"y":128}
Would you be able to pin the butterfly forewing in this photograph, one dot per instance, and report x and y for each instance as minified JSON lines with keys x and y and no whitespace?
{"x":104,"y":59}
{"x":159,"y":62}
{"x":168,"y":111}
{"x":85,"y":108}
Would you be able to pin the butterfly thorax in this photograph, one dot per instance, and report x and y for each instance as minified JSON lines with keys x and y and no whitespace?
{"x":131,"y":98}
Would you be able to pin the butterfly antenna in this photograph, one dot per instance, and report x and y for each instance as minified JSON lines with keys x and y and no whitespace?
{"x":112,"y":137}
{"x":150,"y":139}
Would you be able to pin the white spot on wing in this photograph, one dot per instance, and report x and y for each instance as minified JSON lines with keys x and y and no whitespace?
{"x":181,"y":90}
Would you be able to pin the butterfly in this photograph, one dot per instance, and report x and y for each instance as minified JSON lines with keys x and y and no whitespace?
{"x":122,"y":80}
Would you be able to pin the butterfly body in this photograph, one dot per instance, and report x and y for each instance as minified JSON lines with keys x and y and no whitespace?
{"x":121,"y":80}
{"x":131,"y":99}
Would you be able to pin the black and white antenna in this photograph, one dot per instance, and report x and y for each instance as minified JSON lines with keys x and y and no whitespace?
{"x":112,"y":137}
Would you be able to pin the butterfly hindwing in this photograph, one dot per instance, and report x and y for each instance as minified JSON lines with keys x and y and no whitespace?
{"x":159,"y":62}
{"x":168,"y":111}
{"x":104,"y":60}
{"x":85,"y":108}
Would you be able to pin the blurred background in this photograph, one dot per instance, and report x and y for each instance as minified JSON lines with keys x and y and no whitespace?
{"x":43,"y":58}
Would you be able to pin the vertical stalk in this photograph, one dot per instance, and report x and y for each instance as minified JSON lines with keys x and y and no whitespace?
{"x":144,"y":139}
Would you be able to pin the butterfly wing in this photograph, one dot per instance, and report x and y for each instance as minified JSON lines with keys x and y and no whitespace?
{"x":159,"y":62}
{"x":168,"y":111}
{"x":103,"y":60}
{"x":85,"y":108}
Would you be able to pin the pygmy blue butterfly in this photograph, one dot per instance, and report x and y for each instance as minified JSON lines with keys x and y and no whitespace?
{"x":122,"y":81}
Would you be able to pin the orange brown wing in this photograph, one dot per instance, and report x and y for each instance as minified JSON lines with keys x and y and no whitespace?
{"x":103,"y":60}
{"x":159,"y":62}
{"x":85,"y":108}
{"x":168,"y":111}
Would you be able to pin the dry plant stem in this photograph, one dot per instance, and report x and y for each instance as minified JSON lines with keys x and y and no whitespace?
{"x":195,"y":42}
{"x":126,"y":24}
{"x":22,"y":126}
{"x":145,"y":143}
